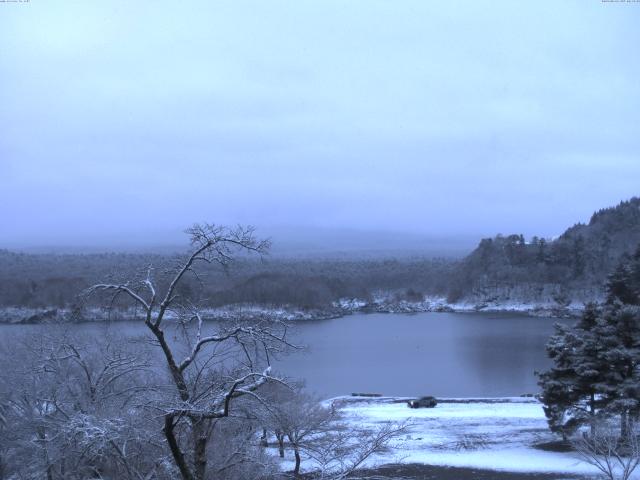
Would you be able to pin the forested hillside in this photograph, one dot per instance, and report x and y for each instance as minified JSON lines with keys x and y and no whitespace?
{"x":574,"y":266}
{"x":500,"y":272}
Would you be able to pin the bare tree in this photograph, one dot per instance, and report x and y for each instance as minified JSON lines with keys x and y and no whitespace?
{"x":317,"y":432}
{"x":344,"y":449}
{"x":70,"y":405}
{"x":616,"y":455}
{"x":299,"y":418}
{"x":204,"y":384}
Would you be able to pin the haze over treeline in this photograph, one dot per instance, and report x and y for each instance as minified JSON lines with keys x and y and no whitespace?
{"x":502,"y":270}
{"x":289,"y":242}
{"x":437,"y":119}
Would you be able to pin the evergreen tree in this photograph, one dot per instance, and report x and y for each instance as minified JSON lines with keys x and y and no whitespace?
{"x":619,"y":332}
{"x":578,"y":253}
{"x":570,"y":389}
{"x":596,"y":367}
{"x":623,"y":285}
{"x":541,"y":254}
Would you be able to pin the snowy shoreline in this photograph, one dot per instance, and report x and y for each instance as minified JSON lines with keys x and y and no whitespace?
{"x":498,"y":434}
{"x":342,"y":308}
{"x":438,"y":304}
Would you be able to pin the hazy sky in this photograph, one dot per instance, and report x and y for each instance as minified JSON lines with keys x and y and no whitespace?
{"x":130,"y":120}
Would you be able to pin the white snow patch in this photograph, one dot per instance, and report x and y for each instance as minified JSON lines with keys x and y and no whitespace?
{"x":487,"y":434}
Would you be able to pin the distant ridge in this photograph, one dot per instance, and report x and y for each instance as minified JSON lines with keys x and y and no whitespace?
{"x":572,"y":267}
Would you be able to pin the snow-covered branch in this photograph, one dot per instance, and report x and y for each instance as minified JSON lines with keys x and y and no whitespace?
{"x":122,"y":289}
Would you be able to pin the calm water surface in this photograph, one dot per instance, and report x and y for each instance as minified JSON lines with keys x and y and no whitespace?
{"x":444,"y":354}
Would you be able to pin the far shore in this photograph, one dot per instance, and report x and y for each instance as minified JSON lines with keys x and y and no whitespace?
{"x":43,"y":315}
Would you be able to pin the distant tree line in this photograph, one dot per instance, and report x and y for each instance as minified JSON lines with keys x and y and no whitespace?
{"x":54,"y":280}
{"x":581,"y":258}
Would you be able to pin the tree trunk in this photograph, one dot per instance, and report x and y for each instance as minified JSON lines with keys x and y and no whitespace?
{"x":178,"y":456}
{"x":624,"y":424}
{"x":263,"y":439}
{"x":176,"y":373}
{"x":296,"y":453}
{"x":200,"y":439}
{"x":280,"y":437}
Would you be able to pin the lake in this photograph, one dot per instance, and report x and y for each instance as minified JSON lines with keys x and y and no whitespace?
{"x":442,"y":354}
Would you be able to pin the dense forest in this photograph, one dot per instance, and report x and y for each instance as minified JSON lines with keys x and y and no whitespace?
{"x":573,"y":266}
{"x":501,"y":270}
{"x":46,"y":280}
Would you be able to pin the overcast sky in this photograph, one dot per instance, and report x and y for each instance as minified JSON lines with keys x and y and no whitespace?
{"x":126,"y":121}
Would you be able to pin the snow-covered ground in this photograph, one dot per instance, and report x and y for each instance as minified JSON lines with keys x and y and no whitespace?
{"x":493,"y":434}
{"x":11,"y":315}
{"x":386,"y":302}
{"x":382,"y":302}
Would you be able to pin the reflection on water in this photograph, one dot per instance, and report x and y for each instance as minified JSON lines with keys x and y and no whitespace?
{"x":444,"y":354}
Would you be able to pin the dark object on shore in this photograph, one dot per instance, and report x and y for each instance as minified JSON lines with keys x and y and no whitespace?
{"x":374,"y":395}
{"x":423,"y":402}
{"x":415,"y":471}
{"x":555,"y":446}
